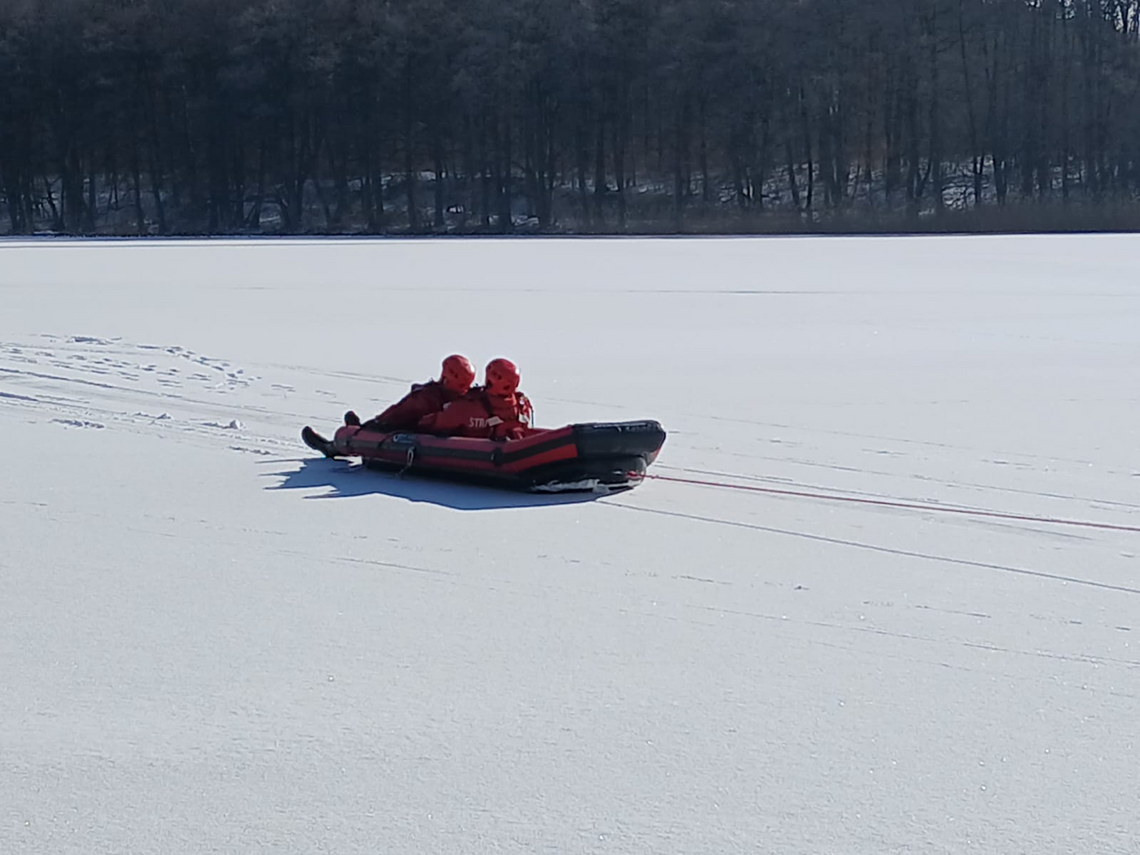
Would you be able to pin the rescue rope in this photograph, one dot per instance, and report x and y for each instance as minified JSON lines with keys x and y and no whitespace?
{"x":889,"y":503}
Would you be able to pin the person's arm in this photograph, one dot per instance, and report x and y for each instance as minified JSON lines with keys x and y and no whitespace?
{"x":465,"y":417}
{"x":406,"y":413}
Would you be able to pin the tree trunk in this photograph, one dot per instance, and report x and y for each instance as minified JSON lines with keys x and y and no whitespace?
{"x":437,"y":163}
{"x":409,"y":151}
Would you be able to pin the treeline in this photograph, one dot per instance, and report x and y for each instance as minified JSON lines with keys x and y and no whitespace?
{"x":374,"y":116}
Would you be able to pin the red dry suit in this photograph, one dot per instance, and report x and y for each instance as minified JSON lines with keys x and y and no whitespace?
{"x":424,"y":399}
{"x":481,"y":414}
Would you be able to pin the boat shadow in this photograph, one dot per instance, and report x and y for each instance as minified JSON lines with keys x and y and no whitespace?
{"x":351,"y":480}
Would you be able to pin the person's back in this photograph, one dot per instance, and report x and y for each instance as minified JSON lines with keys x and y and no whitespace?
{"x":424,"y":399}
{"x":496,"y":410}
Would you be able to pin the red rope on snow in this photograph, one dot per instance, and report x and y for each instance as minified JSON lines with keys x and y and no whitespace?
{"x":886,"y":503}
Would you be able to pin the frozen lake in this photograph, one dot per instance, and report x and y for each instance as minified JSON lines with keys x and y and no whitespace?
{"x":212,"y":640}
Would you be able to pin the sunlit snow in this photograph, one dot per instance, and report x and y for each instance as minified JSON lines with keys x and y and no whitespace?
{"x":213,"y":640}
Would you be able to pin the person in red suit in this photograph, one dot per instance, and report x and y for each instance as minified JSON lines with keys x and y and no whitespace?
{"x":455,"y":379}
{"x":495,"y":410}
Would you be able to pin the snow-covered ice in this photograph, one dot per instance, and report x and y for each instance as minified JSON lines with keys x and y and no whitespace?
{"x":211,"y":640}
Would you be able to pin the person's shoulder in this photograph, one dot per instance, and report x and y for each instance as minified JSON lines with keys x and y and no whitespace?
{"x":431,"y":389}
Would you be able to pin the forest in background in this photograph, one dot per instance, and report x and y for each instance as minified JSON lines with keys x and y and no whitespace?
{"x":567,"y":116}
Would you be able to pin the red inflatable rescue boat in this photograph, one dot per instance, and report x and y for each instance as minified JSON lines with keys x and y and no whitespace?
{"x":594,"y":456}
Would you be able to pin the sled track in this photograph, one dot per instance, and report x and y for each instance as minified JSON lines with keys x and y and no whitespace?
{"x":890,"y":503}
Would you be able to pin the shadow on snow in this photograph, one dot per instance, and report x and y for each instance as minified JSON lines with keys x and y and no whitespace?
{"x":347,"y":480}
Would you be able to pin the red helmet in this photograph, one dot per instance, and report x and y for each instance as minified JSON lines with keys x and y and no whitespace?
{"x":502,"y":377}
{"x":458,"y":374}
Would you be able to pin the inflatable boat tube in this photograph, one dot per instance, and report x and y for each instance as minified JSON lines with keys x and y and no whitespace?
{"x":594,"y":456}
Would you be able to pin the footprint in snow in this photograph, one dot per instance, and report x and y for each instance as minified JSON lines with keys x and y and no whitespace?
{"x":80,"y":423}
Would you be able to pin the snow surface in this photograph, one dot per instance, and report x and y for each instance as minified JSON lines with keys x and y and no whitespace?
{"x":212,"y":641}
